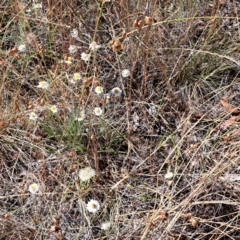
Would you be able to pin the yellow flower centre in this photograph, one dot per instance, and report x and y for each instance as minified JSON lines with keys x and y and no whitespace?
{"x":37,"y":5}
{"x":115,"y":90}
{"x":21,"y":47}
{"x":42,"y":84}
{"x":32,"y":114}
{"x":92,"y":205}
{"x":69,"y":59}
{"x":76,"y":75}
{"x":79,"y":116}
{"x":97,"y":110}
{"x":53,"y":108}
{"x":99,"y":89}
{"x":85,"y":56}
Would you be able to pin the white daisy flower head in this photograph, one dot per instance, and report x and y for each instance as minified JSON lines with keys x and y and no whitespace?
{"x":73,"y":81}
{"x":106,"y":226}
{"x":72,"y":49}
{"x":33,"y":116}
{"x":37,"y":5}
{"x":53,"y":108}
{"x":125,"y":73}
{"x":152,"y":110}
{"x":85,"y":56}
{"x":22,"y":48}
{"x":43,"y":85}
{"x":33,"y":188}
{"x":86,"y":174}
{"x":116,"y":92}
{"x":93,"y":206}
{"x":98,"y":90}
{"x":94,"y":46}
{"x":77,"y":76}
{"x":168,"y":175}
{"x":74,"y":33}
{"x":98,"y":111}
{"x":68,"y":61}
{"x":80,"y":117}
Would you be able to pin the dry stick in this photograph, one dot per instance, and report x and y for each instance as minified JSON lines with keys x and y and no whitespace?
{"x":215,"y":202}
{"x":95,"y":147}
{"x":27,"y":194}
{"x":207,"y":52}
{"x":128,"y":106}
{"x":95,"y":155}
{"x":119,"y":182}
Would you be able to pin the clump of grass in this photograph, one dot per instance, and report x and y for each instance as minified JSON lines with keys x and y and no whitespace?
{"x":111,"y":124}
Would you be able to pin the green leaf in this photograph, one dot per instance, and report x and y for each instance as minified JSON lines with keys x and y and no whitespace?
{"x":48,"y":130}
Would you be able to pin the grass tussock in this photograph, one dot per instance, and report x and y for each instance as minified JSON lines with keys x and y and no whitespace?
{"x":119,"y":119}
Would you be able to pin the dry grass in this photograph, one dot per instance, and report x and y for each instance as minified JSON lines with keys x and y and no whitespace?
{"x":183,"y":60}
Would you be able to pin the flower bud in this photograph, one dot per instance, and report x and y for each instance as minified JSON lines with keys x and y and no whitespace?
{"x":140,"y":24}
{"x":135,"y":23}
{"x":124,"y":33}
{"x":148,"y":20}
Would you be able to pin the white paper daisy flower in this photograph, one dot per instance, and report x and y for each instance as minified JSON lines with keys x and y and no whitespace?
{"x":33,"y":188}
{"x":33,"y":116}
{"x":80,"y":117}
{"x":22,"y":48}
{"x":168,"y":175}
{"x":116,"y":92}
{"x":74,"y":33}
{"x":72,"y":49}
{"x":98,"y":111}
{"x":94,"y":46}
{"x":53,"y":108}
{"x":37,"y":5}
{"x":69,"y":60}
{"x":125,"y":73}
{"x":43,"y":85}
{"x":98,"y":90}
{"x":77,"y":76}
{"x":86,"y":174}
{"x":73,"y":81}
{"x":85,"y":57}
{"x":152,"y":110}
{"x":106,"y":226}
{"x":93,"y":206}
